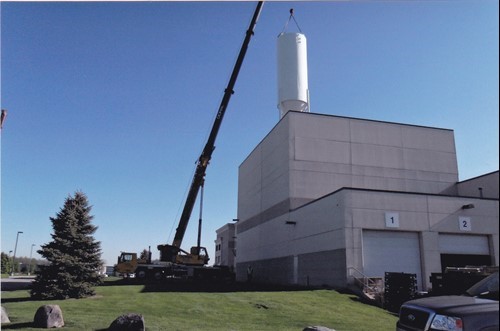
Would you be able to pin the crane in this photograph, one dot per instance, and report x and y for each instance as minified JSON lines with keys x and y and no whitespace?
{"x":174,"y":261}
{"x":172,"y":252}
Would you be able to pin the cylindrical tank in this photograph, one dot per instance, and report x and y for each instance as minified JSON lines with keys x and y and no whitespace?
{"x":293,"y":89}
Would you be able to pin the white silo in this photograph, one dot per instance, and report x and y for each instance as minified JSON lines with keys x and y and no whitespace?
{"x":293,"y":89}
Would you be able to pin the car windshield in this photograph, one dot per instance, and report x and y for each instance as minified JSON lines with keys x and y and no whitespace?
{"x":486,"y":288}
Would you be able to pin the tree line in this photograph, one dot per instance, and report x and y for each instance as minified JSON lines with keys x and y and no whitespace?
{"x":22,"y":264}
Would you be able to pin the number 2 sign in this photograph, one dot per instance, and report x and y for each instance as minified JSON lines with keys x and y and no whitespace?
{"x":464,"y":223}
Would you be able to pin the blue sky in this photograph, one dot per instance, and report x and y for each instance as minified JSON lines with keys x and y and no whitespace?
{"x":116,"y":99}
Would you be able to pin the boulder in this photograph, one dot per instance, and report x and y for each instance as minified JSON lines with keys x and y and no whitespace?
{"x":5,"y":317}
{"x":48,"y":316}
{"x":128,"y":322}
{"x":317,"y":328}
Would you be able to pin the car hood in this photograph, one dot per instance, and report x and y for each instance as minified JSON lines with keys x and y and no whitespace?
{"x":455,"y":304}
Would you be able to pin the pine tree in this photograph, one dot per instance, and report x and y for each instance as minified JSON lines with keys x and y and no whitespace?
{"x":74,"y":255}
{"x":6,"y":263}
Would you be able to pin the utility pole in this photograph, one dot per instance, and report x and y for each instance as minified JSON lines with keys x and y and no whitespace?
{"x":15,"y":249}
{"x":11,"y":264}
{"x":31,"y":253}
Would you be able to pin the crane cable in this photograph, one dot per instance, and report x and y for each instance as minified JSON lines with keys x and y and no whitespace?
{"x":288,"y":21}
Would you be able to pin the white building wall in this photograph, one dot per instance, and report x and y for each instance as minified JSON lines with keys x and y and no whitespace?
{"x":489,"y":183}
{"x":292,"y":229}
{"x":307,"y":156}
{"x":334,"y":152}
{"x":329,"y":232}
{"x":311,"y":229}
{"x":428,"y":215}
{"x":225,"y":245}
{"x":263,"y":181}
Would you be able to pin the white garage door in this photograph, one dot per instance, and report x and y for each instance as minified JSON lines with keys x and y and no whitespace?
{"x":463,"y":244}
{"x":391,"y":251}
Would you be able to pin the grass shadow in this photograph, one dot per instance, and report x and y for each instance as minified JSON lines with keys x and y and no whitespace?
{"x":210,"y":286}
{"x":363,"y":300}
{"x":121,"y":281}
{"x":16,"y":326}
{"x":8,"y":300}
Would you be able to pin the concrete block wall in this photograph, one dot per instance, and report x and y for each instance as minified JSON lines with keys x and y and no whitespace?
{"x":489,"y":184}
{"x":307,"y":156}
{"x":316,"y":182}
{"x":428,"y":215}
{"x":324,"y":268}
{"x":331,"y":152}
{"x":312,"y":232}
{"x":263,"y":179}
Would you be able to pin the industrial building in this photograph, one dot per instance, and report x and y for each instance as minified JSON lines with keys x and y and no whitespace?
{"x":225,"y":245}
{"x":325,"y":200}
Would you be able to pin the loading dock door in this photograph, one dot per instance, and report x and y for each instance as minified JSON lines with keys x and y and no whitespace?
{"x":458,"y":250}
{"x":391,"y":251}
{"x":463,"y":244}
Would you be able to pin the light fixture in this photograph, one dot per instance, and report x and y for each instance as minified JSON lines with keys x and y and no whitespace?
{"x":469,"y":206}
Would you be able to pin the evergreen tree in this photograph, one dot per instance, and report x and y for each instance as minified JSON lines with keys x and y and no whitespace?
{"x":74,"y":255}
{"x":6,"y":264}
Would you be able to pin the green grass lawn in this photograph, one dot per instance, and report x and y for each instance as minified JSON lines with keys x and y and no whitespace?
{"x":181,"y":310}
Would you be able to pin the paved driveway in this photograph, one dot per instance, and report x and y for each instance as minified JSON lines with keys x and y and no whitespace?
{"x":16,"y":283}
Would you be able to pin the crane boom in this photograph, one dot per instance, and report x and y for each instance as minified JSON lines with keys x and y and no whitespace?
{"x":168,"y":252}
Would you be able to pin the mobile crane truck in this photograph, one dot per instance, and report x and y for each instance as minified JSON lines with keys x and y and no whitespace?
{"x":174,"y":261}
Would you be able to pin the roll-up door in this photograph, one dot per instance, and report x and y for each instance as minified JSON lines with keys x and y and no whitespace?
{"x":461,"y":250}
{"x":463,"y":244}
{"x":391,"y":251}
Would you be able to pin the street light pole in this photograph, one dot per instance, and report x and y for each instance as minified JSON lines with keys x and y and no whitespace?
{"x":31,"y":252}
{"x":11,"y":264}
{"x":15,"y":249}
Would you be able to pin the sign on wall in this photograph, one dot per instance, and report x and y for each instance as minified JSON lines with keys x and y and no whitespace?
{"x":391,"y":220}
{"x":464,"y":223}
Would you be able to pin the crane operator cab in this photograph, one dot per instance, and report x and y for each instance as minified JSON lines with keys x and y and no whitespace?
{"x":200,"y":253}
{"x":196,"y":256}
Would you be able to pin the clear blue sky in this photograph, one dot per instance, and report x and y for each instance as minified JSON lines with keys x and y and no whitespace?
{"x":116,"y":99}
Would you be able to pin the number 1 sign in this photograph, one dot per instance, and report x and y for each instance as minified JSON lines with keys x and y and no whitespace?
{"x":391,"y":220}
